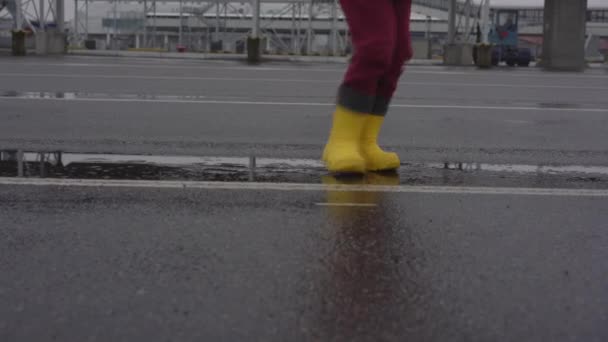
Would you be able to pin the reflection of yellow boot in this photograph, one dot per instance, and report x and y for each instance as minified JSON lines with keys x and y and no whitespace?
{"x":376,"y":159}
{"x":343,"y":204}
{"x":342,"y":153}
{"x":384,"y":179}
{"x":344,"y":196}
{"x":381,"y":179}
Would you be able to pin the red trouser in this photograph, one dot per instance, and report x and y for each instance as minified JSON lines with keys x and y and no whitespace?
{"x":380,"y":31}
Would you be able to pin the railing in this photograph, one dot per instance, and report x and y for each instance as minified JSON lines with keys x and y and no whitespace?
{"x":597,"y":16}
{"x":443,"y":5}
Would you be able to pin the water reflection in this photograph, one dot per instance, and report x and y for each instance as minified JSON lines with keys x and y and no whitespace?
{"x":62,"y":164}
{"x":17,"y":163}
{"x":373,"y":284}
{"x":84,"y":95}
{"x":92,"y":95}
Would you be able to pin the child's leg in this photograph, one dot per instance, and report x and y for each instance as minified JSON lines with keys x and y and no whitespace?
{"x":373,"y":27}
{"x":402,"y":53}
{"x":377,"y":159}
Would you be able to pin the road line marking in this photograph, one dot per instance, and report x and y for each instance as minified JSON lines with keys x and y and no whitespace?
{"x":150,"y":63}
{"x":259,"y":103}
{"x":363,"y":205}
{"x":292,"y":80}
{"x":458,"y":190}
{"x":193,"y":64}
{"x":172,"y":78}
{"x":309,"y":104}
{"x":501,"y":85}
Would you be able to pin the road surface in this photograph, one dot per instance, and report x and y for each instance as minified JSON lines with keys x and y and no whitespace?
{"x":187,"y":204}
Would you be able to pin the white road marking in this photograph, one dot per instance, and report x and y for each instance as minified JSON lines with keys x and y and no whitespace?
{"x":502,"y":85}
{"x":458,"y":190}
{"x":147,"y":63}
{"x":308,"y":104}
{"x":171,"y":78}
{"x":194,"y":66}
{"x":259,"y":103}
{"x":293,"y":80}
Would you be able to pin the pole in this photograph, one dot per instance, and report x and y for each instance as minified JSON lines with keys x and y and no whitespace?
{"x":217,"y":20}
{"x":145,"y":23}
{"x":42,"y":18}
{"x":429,"y":45}
{"x":293,"y":29}
{"x":18,"y":16}
{"x":309,"y":30}
{"x":334,"y":24}
{"x":60,"y":15}
{"x":255,"y":32}
{"x":154,"y":25}
{"x":179,"y":39}
{"x":225,"y":26}
{"x":485,"y":20}
{"x":452,"y":22}
{"x":467,"y":21}
{"x":254,"y":49}
{"x":86,"y":19}
{"x":114,"y":33}
{"x":208,"y":39}
{"x":298,"y":38}
{"x":76,"y":21}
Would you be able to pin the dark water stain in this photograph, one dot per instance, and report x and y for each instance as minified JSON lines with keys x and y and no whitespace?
{"x":100,"y":96}
{"x":60,"y":95}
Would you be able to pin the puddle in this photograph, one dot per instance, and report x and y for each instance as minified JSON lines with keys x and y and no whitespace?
{"x":256,"y":169}
{"x":525,"y":169}
{"x":151,"y":167}
{"x":93,"y":96}
{"x":99,"y":96}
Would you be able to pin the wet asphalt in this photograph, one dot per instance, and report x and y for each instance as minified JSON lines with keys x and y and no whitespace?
{"x":284,"y":110}
{"x":158,"y":265}
{"x":134,"y":264}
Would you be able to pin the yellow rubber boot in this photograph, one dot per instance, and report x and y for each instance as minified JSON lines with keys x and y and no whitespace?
{"x":342,"y":153}
{"x":375,"y":158}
